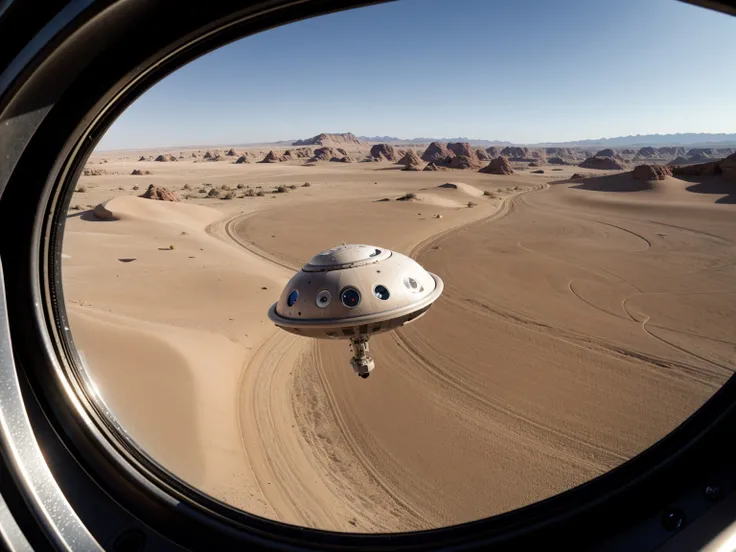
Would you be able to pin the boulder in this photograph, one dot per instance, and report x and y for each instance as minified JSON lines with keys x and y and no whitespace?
{"x":533,"y":164}
{"x":241,"y":159}
{"x":231,"y":153}
{"x":137,"y":172}
{"x":159,"y":193}
{"x":435,"y":152}
{"x":538,"y":171}
{"x":383,"y":151}
{"x":651,"y":172}
{"x":602,"y":163}
{"x":499,"y":165}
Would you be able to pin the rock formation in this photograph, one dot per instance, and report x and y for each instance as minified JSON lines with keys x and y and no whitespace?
{"x":159,"y":193}
{"x":435,"y":152}
{"x":651,"y":172}
{"x":383,"y":151}
{"x":331,"y":139}
{"x":602,"y":163}
{"x":271,"y":157}
{"x":499,"y":165}
{"x":409,"y":158}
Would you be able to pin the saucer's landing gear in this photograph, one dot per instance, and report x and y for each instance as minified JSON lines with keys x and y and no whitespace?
{"x":362,"y":362}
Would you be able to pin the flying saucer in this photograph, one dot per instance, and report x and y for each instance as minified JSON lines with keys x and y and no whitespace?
{"x":353,"y":292}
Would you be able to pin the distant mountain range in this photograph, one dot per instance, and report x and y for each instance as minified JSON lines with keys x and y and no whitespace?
{"x":680,"y":139}
{"x":395,"y":140}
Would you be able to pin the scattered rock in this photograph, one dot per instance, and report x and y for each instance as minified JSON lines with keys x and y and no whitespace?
{"x":651,"y":172}
{"x":159,"y":193}
{"x":602,"y":163}
{"x":538,"y":171}
{"x":499,"y":165}
{"x":137,"y":172}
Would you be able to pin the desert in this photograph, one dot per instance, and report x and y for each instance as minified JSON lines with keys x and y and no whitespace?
{"x":588,"y":311}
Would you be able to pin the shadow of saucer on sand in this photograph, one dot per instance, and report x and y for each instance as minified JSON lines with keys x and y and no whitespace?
{"x":88,"y":216}
{"x":612,"y":183}
{"x":714,"y":185}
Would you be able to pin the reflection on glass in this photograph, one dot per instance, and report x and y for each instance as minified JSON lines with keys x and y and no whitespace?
{"x":590,"y":283}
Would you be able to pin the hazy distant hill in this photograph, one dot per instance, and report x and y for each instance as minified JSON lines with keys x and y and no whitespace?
{"x":395,"y":140}
{"x":330,"y":139}
{"x":680,"y":139}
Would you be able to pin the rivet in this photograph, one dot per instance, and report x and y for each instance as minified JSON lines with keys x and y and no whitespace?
{"x":713,"y":492}
{"x":131,"y":540}
{"x":673,"y":519}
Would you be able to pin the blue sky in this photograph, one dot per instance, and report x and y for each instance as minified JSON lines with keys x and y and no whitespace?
{"x":524,"y":71}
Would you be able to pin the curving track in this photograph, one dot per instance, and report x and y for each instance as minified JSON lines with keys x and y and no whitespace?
{"x":569,"y":338}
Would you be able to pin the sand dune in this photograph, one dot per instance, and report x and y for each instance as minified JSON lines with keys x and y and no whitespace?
{"x":581,"y":321}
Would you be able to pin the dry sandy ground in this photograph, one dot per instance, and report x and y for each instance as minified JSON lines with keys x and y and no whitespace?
{"x":578,"y":326}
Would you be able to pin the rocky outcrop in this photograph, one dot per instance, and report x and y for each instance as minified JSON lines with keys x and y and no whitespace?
{"x":557,"y":161}
{"x":499,"y":165}
{"x":435,"y":152}
{"x":608,"y":152}
{"x":159,"y":193}
{"x":231,"y":153}
{"x":431,"y":167}
{"x":602,"y":163}
{"x":242,"y":159}
{"x":492,"y":152}
{"x":342,"y":159}
{"x":412,"y":167}
{"x":702,"y":169}
{"x":482,"y":155}
{"x":728,"y":167}
{"x":651,"y":172}
{"x":383,"y":151}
